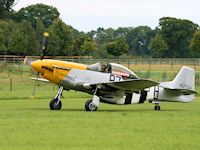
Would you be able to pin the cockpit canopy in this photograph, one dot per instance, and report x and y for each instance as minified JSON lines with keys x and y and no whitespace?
{"x":113,"y":68}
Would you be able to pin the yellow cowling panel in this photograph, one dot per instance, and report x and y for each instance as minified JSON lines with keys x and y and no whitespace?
{"x":56,"y":75}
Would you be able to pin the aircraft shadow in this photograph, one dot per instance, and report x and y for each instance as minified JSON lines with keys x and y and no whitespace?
{"x":103,"y":110}
{"x":128,"y":110}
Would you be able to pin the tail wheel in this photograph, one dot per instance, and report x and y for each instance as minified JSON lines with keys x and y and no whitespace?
{"x":157,"y":107}
{"x":55,"y":104}
{"x":89,"y":106}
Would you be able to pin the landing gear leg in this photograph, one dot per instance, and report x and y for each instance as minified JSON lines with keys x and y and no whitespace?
{"x":55,"y":103}
{"x":157,"y":107}
{"x":92,"y":105}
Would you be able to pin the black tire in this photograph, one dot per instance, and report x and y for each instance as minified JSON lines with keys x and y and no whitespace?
{"x":157,"y":108}
{"x":89,"y":106}
{"x":55,"y":105}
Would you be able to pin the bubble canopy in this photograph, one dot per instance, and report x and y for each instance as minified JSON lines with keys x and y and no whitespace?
{"x":113,"y":68}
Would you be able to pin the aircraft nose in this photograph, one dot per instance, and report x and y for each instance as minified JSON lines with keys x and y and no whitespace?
{"x":38,"y":65}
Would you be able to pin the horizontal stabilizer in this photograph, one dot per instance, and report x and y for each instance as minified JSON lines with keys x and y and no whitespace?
{"x":184,"y":82}
{"x":183,"y":91}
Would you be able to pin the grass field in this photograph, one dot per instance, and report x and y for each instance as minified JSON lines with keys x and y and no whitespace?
{"x":27,"y":123}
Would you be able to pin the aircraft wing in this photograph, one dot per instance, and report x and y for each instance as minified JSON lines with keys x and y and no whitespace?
{"x":128,"y":85}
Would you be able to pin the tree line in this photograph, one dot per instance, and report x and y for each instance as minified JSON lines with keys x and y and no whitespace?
{"x":21,"y":33}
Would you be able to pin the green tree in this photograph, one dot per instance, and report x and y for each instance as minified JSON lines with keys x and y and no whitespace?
{"x":118,"y":47}
{"x":92,"y":34}
{"x":53,"y":47}
{"x":100,"y":36}
{"x":177,"y":34}
{"x":195,"y":45}
{"x":138,"y":40}
{"x":3,"y":37}
{"x":64,"y":37}
{"x":103,"y":37}
{"x":30,"y":34}
{"x":40,"y":29}
{"x":39,"y":11}
{"x":88,"y":47}
{"x":109,"y":35}
{"x":158,"y":46}
{"x":6,"y":8}
{"x":77,"y":49}
{"x":121,"y":32}
{"x":78,"y":40}
{"x":18,"y":43}
{"x":2,"y":46}
{"x":7,"y":28}
{"x":102,"y":52}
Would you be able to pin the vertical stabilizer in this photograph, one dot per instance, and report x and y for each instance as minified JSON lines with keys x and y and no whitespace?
{"x":184,"y":81}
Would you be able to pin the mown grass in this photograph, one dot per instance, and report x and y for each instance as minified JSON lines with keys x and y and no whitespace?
{"x":27,"y":123}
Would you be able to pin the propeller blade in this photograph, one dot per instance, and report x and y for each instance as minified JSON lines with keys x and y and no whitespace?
{"x":44,"y":44}
{"x":34,"y":88}
{"x":42,"y":54}
{"x":29,"y":59}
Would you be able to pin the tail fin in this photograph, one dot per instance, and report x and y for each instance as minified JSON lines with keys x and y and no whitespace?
{"x":185,"y":79}
{"x":183,"y":82}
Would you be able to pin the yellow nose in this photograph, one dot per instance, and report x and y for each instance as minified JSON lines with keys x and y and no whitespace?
{"x":38,"y":65}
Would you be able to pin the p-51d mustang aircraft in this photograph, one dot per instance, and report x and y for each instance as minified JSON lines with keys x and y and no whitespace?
{"x":114,"y":84}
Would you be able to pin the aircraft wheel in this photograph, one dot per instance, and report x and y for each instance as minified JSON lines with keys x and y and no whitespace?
{"x":89,"y":106}
{"x":55,"y":105}
{"x":157,"y":107}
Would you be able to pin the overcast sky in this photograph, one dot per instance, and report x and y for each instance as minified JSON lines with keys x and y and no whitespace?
{"x":86,"y":15}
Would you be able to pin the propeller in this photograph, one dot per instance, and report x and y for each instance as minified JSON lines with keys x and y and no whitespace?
{"x":42,"y":54}
{"x":44,"y":44}
{"x":34,"y":88}
{"x":29,"y":59}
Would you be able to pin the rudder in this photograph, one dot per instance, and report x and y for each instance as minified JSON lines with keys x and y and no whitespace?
{"x":185,"y":79}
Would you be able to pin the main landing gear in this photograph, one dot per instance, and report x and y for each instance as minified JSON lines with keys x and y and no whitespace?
{"x":157,"y":107}
{"x":93,"y":104}
{"x":55,"y":103}
{"x":89,"y":106}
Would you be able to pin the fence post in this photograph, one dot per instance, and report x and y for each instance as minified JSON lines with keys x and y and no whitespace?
{"x":164,"y":77}
{"x":149,"y":64}
{"x":148,"y":74}
{"x":197,"y":78}
{"x":11,"y":84}
{"x":194,"y":63}
{"x":172,"y":65}
{"x":128,"y":64}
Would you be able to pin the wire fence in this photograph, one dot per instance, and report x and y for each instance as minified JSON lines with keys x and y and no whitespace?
{"x":13,"y":72}
{"x":90,"y":59}
{"x":158,"y":72}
